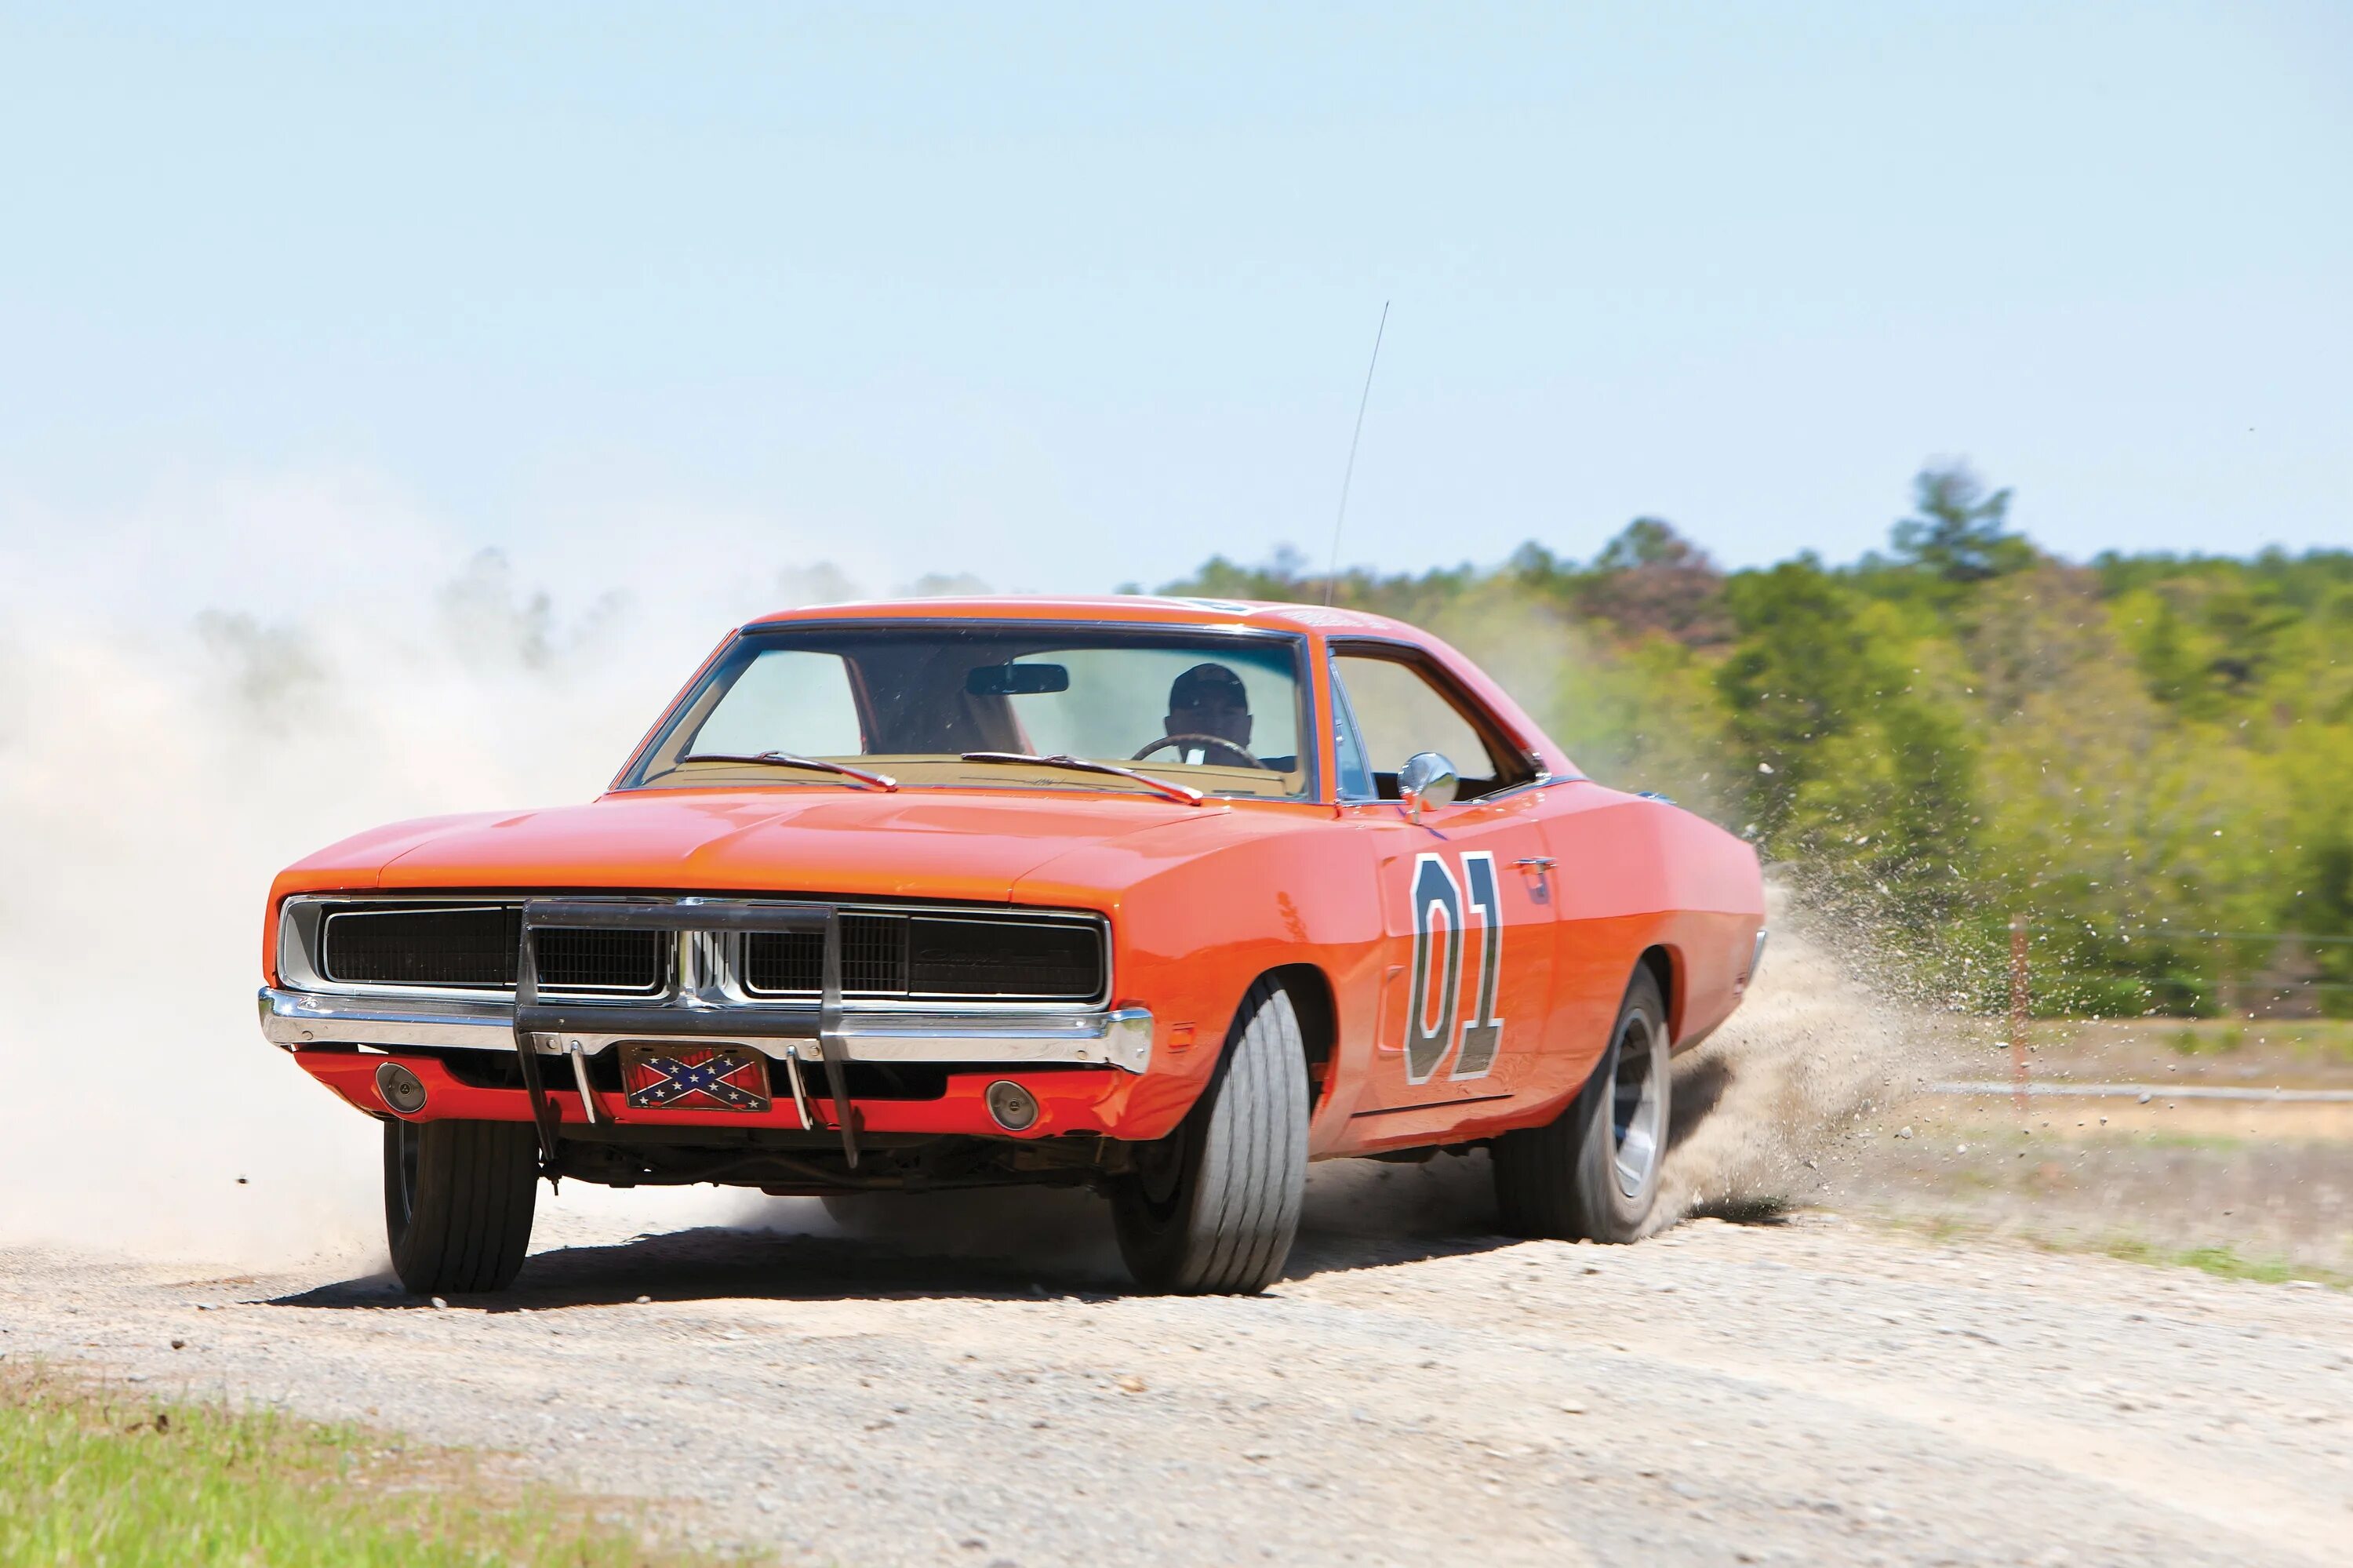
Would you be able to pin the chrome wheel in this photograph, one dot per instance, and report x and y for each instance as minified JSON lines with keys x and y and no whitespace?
{"x":1638,"y":1111}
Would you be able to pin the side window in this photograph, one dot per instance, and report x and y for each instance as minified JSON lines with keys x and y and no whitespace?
{"x":1399,"y":712}
{"x":787,"y":700}
{"x":1355,"y":780}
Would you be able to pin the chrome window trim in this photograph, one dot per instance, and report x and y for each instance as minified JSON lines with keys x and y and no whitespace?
{"x":705,"y":970}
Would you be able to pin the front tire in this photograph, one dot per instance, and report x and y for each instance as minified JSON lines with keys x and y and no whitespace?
{"x":1213,"y":1207}
{"x":1592,"y":1174}
{"x":458,"y":1201}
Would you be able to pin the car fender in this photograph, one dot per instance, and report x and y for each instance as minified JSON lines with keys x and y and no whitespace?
{"x":1200,"y":909}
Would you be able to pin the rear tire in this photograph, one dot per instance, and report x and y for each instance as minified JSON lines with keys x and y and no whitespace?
{"x":1592,"y":1174}
{"x":1213,"y":1207}
{"x":458,"y":1201}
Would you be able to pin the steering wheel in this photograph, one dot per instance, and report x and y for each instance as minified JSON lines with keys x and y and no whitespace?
{"x":1211,"y":742}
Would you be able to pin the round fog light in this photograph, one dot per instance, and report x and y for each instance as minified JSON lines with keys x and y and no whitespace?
{"x":1014,"y":1108}
{"x":401,"y":1089}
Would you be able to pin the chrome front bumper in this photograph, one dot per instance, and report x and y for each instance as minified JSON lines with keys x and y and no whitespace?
{"x":982,"y":1038}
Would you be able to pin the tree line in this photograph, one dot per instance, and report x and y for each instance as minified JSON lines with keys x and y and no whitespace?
{"x":2146,"y":756}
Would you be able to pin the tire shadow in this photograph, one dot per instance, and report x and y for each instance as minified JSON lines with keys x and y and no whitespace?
{"x":1005,"y":1245}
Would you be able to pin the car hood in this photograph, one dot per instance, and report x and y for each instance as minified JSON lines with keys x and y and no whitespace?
{"x":956,"y":845}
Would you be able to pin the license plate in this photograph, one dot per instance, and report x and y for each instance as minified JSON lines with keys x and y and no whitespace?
{"x":694,"y":1077}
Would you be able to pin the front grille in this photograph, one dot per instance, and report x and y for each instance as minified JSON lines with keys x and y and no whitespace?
{"x":570,"y":960}
{"x":996,"y":957}
{"x":473,"y":947}
{"x":792,"y":963}
{"x":885,"y":954}
{"x":461,"y":947}
{"x":933,"y":957}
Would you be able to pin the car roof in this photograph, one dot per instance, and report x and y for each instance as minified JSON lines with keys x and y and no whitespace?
{"x":1135,"y":608}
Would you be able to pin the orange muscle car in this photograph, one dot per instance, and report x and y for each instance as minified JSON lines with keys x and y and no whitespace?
{"x":1163,"y":897}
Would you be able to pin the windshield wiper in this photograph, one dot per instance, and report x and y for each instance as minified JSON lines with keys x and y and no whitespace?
{"x":786,"y":759}
{"x":1082,"y":765}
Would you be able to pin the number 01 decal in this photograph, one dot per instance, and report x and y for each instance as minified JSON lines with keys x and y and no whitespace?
{"x":1439,"y":908}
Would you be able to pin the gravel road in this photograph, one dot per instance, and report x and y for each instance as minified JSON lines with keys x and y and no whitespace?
{"x":1815,"y":1391}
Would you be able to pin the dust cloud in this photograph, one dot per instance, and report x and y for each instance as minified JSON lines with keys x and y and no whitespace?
{"x":1825,"y":1036}
{"x":354,"y":662}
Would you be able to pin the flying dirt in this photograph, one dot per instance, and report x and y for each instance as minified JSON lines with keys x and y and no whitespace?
{"x":965,"y":1378}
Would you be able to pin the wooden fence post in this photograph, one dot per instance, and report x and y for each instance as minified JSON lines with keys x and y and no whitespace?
{"x":2018,"y":1007}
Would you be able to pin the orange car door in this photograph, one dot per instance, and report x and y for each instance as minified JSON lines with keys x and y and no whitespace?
{"x":1466,"y":905}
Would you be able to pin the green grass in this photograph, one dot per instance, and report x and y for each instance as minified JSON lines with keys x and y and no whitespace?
{"x":94,"y":1479}
{"x":2223,"y":1261}
{"x":2319,"y":1040}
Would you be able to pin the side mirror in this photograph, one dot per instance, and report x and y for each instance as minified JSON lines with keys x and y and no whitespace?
{"x":1426,"y":779}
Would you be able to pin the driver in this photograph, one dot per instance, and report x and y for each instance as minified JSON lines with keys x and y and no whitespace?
{"x":1208,"y":700}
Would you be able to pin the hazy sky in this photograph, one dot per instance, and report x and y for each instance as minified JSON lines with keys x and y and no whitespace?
{"x":1068,"y":297}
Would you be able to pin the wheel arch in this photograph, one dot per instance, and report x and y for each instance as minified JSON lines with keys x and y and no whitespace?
{"x":1317,"y":1005}
{"x":1659,"y":960}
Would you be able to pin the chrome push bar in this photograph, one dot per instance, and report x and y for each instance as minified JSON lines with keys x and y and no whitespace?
{"x":532,"y":1020}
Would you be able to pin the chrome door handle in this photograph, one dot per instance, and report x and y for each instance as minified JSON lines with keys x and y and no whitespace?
{"x":1536,"y":862}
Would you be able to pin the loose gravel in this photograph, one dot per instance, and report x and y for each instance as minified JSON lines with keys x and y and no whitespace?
{"x":1814,"y":1391}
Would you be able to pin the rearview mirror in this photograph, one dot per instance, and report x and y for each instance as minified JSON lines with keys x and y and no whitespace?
{"x":1018,"y":680}
{"x":1426,"y":779}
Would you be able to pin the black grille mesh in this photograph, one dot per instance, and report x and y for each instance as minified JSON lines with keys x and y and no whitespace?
{"x":927,"y":956}
{"x":873,"y":953}
{"x":1003,"y":958}
{"x":924,"y":956}
{"x":784,"y":962}
{"x":597,"y":961}
{"x":475,"y":949}
{"x":873,"y":959}
{"x":423,"y":947}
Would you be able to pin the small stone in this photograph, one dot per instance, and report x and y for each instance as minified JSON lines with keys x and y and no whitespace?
{"x":179,"y":1344}
{"x":643,"y":1299}
{"x":1131,"y":1383}
{"x":1903,"y":1132}
{"x":440,"y":1304}
{"x":1571,"y":1407}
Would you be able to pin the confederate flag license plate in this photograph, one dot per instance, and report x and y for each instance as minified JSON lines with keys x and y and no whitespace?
{"x":694,"y":1077}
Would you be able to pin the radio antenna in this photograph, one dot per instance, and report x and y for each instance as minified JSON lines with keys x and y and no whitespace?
{"x":1332,"y":576}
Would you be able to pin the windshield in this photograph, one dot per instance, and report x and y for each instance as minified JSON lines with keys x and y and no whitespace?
{"x":1222,"y":713}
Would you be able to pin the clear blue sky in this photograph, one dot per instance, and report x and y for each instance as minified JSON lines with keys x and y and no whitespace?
{"x":1067,"y":297}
